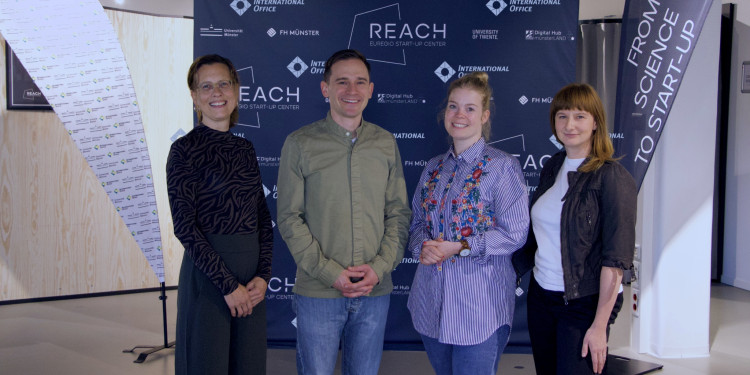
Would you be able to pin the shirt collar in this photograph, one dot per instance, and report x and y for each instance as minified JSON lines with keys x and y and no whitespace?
{"x":334,"y":128}
{"x":470,"y":154}
{"x":205,"y":129}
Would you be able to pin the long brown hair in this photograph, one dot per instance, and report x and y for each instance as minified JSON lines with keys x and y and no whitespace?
{"x":583,"y":97}
{"x":215,"y":59}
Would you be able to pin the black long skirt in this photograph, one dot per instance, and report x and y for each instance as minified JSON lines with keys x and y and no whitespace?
{"x":209,"y":340}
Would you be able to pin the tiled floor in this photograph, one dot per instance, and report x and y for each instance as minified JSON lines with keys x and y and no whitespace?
{"x":87,"y":336}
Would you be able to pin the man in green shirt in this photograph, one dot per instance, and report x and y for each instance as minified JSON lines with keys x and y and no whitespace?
{"x":343,"y":212}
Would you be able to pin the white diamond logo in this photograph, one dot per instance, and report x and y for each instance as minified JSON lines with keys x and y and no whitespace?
{"x":445,"y":72}
{"x":496,"y":6}
{"x":177,"y":135}
{"x":297,"y":67}
{"x":555,"y":142}
{"x":271,"y":32}
{"x":523,"y":99}
{"x":240,"y":6}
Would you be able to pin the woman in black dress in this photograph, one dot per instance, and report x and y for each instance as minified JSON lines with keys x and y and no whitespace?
{"x":221,"y":218}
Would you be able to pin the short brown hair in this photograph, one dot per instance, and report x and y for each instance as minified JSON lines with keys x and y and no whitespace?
{"x":344,"y":54}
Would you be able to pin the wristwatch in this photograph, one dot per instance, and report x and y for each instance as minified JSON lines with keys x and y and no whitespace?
{"x":465,"y":249}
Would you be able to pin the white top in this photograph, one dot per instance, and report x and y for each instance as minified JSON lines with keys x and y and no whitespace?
{"x":545,"y":218}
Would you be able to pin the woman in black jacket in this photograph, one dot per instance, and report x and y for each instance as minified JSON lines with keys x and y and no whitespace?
{"x":581,"y":239}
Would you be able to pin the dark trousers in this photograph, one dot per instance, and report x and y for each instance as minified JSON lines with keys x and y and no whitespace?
{"x":208,"y":340}
{"x":557,"y":330}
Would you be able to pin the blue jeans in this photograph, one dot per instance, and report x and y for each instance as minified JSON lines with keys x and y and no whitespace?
{"x":479,"y":359}
{"x":358,"y":324}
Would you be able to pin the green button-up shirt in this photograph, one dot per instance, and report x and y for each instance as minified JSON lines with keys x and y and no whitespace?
{"x":342,"y":202}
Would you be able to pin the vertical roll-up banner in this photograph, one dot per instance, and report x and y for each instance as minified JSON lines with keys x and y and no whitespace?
{"x":416,"y":49}
{"x":658,"y":37}
{"x":72,"y":53}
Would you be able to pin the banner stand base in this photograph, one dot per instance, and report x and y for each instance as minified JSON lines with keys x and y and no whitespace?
{"x":617,"y":365}
{"x":153,"y":348}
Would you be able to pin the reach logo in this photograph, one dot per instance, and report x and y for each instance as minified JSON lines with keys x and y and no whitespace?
{"x":31,"y":94}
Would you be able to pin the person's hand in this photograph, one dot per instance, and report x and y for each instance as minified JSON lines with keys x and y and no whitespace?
{"x":239,"y":302}
{"x":447,"y":248}
{"x":595,"y":341}
{"x":344,"y":284}
{"x":436,"y":251}
{"x":363,"y":287}
{"x":430,"y":255}
{"x":257,"y":290}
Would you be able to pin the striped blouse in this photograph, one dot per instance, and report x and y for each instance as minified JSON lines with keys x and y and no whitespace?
{"x":479,"y":196}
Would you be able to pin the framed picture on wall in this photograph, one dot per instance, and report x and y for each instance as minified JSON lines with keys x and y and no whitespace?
{"x":22,"y":92}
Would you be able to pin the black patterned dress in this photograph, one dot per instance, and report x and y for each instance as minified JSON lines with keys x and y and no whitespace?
{"x":221,"y":217}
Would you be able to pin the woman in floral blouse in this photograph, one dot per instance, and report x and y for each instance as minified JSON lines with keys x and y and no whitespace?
{"x":470,"y":213}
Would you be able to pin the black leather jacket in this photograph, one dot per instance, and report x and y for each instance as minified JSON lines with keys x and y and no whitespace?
{"x":597,"y":226}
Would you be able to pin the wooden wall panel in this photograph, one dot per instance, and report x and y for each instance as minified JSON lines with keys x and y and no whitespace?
{"x":59,"y":233}
{"x":159,"y":51}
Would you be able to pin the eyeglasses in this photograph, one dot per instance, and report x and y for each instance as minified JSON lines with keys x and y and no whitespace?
{"x":208,"y":87}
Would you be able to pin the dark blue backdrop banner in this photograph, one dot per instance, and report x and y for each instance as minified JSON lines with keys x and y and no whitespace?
{"x":657,"y":40}
{"x":415,"y":48}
